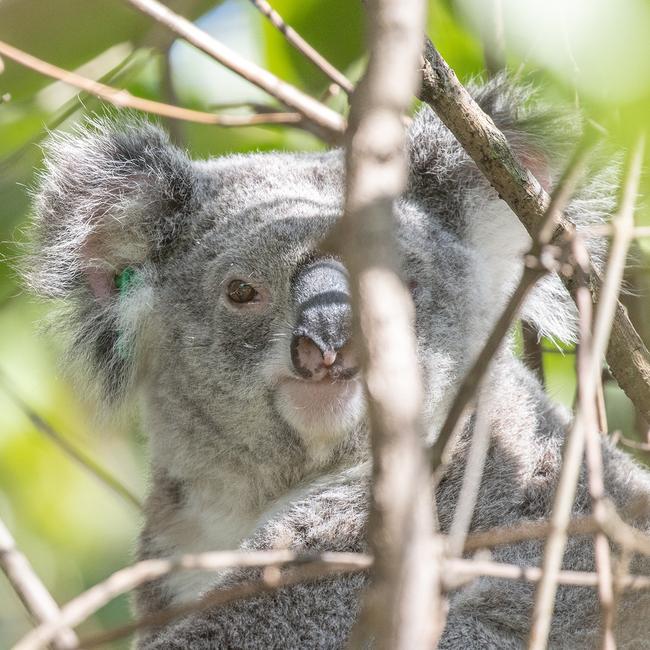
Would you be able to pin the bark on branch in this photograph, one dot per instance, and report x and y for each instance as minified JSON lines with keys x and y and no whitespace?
{"x":325,"y":122}
{"x":401,"y":609}
{"x":627,"y":355}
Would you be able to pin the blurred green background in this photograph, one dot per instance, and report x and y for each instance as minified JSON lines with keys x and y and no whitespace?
{"x":73,"y":528}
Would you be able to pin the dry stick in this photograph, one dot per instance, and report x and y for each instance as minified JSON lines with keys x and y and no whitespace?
{"x":458,"y":569}
{"x":522,"y":532}
{"x":472,"y":475}
{"x":536,"y":266}
{"x":475,"y":568}
{"x":587,"y":404}
{"x":31,"y":591}
{"x":304,"y":47}
{"x":569,"y":473}
{"x":462,"y":570}
{"x":124,"y":99}
{"x":402,"y":608}
{"x":124,"y":580}
{"x":266,"y":584}
{"x":623,"y":225}
{"x":634,"y":444}
{"x":322,"y":120}
{"x":83,"y":459}
{"x":627,"y":356}
{"x":616,"y":528}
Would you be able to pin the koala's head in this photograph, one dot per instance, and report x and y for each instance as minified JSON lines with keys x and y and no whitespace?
{"x":203,"y":286}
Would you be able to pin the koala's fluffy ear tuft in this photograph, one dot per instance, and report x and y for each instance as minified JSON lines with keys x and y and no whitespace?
{"x":444,"y":177}
{"x":113,"y":195}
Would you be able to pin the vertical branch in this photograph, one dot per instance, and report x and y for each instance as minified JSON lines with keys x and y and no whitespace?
{"x":587,"y":404}
{"x":565,"y":494}
{"x":31,"y":591}
{"x":472,"y":476}
{"x":401,"y":607}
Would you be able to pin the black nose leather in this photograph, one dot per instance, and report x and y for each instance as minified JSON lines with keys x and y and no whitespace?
{"x":323,"y":319}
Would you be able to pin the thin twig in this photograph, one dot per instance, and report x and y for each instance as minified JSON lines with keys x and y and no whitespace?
{"x":564,"y":497}
{"x":537,"y":264}
{"x":587,"y":404}
{"x":627,"y":355}
{"x":124,"y":99}
{"x":31,"y":591}
{"x":79,"y":456}
{"x":325,"y":122}
{"x":460,"y":568}
{"x":402,"y":608}
{"x":303,"y":46}
{"x":494,"y":39}
{"x":525,"y":531}
{"x":472,"y":475}
{"x":123,"y":581}
{"x":634,"y":444}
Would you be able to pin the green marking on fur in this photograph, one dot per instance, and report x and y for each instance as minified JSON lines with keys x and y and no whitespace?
{"x":123,"y":282}
{"x":124,"y":279}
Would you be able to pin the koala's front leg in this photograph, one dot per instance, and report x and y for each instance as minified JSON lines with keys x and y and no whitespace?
{"x":316,"y":615}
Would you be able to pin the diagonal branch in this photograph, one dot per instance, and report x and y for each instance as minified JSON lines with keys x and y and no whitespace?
{"x":31,"y":591}
{"x":303,"y":46}
{"x":308,"y":565}
{"x":537,"y":263}
{"x":124,"y":99}
{"x":627,"y":355}
{"x":325,"y":122}
{"x":72,"y":451}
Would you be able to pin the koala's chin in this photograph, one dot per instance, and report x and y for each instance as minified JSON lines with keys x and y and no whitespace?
{"x":321,"y":412}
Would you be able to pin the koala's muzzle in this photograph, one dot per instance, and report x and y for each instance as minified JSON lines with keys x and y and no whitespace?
{"x":321,"y":347}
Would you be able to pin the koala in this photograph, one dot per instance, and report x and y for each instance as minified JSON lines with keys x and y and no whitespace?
{"x":200,"y":290}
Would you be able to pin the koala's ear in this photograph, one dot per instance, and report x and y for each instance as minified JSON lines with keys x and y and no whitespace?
{"x":112,"y":195}
{"x":109,"y":208}
{"x":450,"y":184}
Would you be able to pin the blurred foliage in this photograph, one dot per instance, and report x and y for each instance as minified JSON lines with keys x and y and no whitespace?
{"x":75,"y":530}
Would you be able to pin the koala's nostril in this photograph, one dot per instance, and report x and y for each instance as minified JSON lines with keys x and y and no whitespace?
{"x":306,"y":356}
{"x":312,"y":362}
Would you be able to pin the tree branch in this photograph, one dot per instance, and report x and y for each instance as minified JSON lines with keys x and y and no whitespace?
{"x":124,"y":99}
{"x":303,"y":46}
{"x":627,"y":356}
{"x":322,"y":120}
{"x":31,"y":591}
{"x":402,"y":608}
{"x":124,"y":580}
{"x":79,"y":456}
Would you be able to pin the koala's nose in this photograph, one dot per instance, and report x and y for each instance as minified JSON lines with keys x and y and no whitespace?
{"x":321,"y":344}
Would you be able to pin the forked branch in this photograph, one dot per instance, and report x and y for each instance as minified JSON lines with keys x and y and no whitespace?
{"x":324,"y":121}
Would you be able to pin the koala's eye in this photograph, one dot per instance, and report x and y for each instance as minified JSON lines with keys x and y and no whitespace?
{"x":241,"y":292}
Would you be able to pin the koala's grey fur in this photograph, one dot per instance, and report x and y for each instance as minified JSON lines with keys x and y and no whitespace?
{"x":233,"y":465}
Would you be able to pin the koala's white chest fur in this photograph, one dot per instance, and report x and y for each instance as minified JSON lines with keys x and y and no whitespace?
{"x":208,"y":521}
